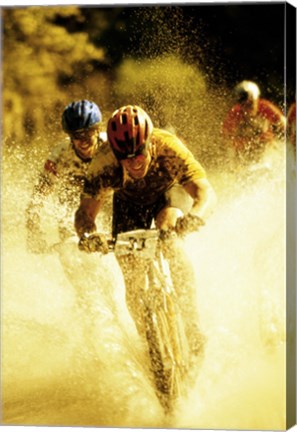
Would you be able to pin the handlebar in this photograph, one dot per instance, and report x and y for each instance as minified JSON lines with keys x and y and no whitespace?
{"x":137,"y":240}
{"x":95,"y":242}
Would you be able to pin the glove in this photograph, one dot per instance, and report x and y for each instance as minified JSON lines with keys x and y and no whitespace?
{"x":188,"y":223}
{"x":93,"y":243}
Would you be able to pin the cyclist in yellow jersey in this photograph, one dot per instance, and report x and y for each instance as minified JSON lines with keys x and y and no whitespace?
{"x":155,"y":178}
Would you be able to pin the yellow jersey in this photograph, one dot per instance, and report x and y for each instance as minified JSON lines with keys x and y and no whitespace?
{"x":171,"y":163}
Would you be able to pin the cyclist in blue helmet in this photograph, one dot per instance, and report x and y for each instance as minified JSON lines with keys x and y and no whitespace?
{"x":81,"y":115}
{"x":65,"y":169}
{"x":81,"y":121}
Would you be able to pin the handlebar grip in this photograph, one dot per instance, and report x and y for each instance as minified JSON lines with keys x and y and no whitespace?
{"x":93,"y":243}
{"x":184,"y":225}
{"x":189,"y":223}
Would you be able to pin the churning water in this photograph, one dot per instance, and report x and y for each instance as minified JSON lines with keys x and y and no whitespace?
{"x":70,"y":352}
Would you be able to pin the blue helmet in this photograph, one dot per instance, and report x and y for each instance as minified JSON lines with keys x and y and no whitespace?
{"x":80,"y":115}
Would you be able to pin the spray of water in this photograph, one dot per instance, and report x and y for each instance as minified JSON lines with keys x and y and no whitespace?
{"x":70,"y":351}
{"x":71,"y":354}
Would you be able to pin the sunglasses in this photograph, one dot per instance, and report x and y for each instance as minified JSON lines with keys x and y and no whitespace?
{"x":141,"y":151}
{"x":83,"y":135}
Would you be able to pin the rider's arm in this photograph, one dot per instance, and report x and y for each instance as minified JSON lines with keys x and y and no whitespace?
{"x":280,"y":127}
{"x":35,"y":236}
{"x":203,"y":195}
{"x":188,"y":172}
{"x":85,"y":216}
{"x":275,"y":117}
{"x":229,"y":127}
{"x":42,"y":188}
{"x":103,"y":174}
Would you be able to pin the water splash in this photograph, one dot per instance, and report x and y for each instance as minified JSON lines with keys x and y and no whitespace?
{"x":71,"y":354}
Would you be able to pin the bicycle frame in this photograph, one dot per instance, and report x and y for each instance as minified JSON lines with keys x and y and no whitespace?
{"x":164,"y":330}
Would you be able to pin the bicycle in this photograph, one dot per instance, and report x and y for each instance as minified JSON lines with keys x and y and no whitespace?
{"x":164,"y":331}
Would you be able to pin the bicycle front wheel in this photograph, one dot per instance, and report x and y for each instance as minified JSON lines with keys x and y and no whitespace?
{"x":168,"y":349}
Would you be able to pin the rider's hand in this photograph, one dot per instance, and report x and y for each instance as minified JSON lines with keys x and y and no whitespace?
{"x":188,"y":223}
{"x":93,"y":243}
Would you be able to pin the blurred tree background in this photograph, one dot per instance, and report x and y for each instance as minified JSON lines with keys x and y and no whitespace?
{"x":178,"y":62}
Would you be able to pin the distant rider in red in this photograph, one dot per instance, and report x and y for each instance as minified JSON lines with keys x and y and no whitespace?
{"x":252,"y":124}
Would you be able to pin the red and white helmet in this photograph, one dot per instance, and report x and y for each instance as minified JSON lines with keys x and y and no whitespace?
{"x":246,"y":90}
{"x":129,"y":130}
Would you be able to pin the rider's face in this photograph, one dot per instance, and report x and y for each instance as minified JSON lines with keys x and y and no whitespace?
{"x":251,"y":106}
{"x":85,"y":142}
{"x":137,"y":166}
